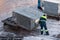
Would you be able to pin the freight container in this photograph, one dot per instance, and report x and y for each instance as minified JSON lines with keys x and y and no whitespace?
{"x":52,"y":7}
{"x":27,"y":17}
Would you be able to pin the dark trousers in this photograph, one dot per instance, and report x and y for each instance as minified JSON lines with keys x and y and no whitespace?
{"x":43,"y":25}
{"x":39,"y":3}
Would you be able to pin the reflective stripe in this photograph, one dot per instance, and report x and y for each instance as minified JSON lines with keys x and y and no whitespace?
{"x":46,"y":30}
{"x":44,"y":17}
{"x":42,"y":30}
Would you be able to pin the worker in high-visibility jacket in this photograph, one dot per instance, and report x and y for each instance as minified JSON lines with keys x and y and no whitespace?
{"x":42,"y":23}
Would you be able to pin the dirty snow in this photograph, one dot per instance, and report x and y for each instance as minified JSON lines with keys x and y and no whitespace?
{"x":7,"y":6}
{"x":53,"y":27}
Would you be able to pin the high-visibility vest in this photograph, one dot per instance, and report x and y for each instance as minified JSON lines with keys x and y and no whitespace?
{"x":42,"y":20}
{"x":44,"y":17}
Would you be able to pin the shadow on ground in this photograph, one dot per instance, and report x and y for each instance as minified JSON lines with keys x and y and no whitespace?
{"x":21,"y":31}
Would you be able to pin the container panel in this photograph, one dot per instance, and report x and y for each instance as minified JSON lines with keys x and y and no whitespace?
{"x":51,"y":8}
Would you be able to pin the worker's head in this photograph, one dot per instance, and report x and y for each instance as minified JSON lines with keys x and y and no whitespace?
{"x":45,"y":15}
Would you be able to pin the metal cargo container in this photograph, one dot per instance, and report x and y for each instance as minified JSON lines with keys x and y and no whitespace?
{"x":27,"y":17}
{"x":52,"y":7}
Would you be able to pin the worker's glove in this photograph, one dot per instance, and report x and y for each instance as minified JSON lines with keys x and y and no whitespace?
{"x":37,"y":21}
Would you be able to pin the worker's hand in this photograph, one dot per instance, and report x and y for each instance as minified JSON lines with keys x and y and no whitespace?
{"x":37,"y":21}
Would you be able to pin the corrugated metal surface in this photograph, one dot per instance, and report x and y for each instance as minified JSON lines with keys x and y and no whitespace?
{"x":52,"y":7}
{"x":26,"y":17}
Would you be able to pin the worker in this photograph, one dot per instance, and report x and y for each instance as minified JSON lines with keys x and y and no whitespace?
{"x":42,"y":23}
{"x":39,"y":5}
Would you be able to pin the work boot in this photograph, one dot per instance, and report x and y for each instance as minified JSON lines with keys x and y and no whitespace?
{"x":41,"y":32}
{"x":47,"y":33}
{"x":40,"y":8}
